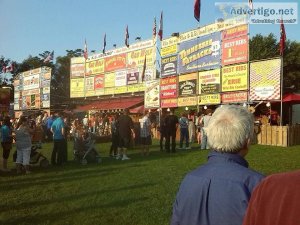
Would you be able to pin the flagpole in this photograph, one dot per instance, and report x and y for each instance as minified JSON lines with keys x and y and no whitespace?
{"x":281,"y":91}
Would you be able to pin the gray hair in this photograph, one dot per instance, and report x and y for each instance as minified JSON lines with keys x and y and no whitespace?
{"x":229,"y":128}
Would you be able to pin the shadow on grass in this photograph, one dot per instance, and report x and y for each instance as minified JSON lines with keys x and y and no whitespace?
{"x":33,"y":204}
{"x":41,"y":218}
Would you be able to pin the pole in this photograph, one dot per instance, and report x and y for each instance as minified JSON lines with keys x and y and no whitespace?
{"x":281,"y":90}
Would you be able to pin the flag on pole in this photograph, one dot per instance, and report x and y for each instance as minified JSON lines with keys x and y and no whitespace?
{"x":144,"y":69}
{"x":250,"y":3}
{"x":3,"y":69}
{"x":127,"y":37}
{"x":49,"y":57}
{"x":154,"y":29}
{"x":160,"y":31}
{"x":282,"y":38}
{"x":197,"y":9}
{"x":85,"y":51}
{"x":104,"y":44}
{"x":9,"y":68}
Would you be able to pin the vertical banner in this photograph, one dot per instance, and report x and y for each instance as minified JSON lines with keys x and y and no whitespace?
{"x":89,"y":86}
{"x":168,"y":87}
{"x":235,"y":50}
{"x":77,"y":67}
{"x":109,"y":80}
{"x":265,"y":80}
{"x":152,"y":94}
{"x":121,"y":78}
{"x":209,"y":81}
{"x":187,"y":84}
{"x":169,"y":66}
{"x":235,"y":78}
{"x":202,"y":53}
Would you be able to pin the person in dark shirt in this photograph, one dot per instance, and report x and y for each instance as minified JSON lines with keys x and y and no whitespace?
{"x":218,"y":192}
{"x":162,"y":130}
{"x":171,"y":128}
{"x":126,"y":131}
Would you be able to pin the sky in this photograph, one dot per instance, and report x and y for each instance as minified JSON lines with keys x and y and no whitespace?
{"x":30,"y":27}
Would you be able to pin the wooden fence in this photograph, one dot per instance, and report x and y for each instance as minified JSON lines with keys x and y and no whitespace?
{"x":279,"y":135}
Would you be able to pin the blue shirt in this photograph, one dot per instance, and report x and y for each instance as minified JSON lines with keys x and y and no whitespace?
{"x":49,"y":123}
{"x":5,"y":133}
{"x":57,"y":126}
{"x":216,"y":193}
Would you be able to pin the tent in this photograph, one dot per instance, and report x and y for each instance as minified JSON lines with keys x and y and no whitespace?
{"x":291,"y":98}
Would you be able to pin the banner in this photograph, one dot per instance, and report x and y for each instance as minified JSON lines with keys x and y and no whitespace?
{"x":235,"y":50}
{"x":265,"y":80}
{"x":200,"y":54}
{"x":109,"y":90}
{"x":89,"y":86}
{"x":152,"y":94}
{"x":31,"y":82}
{"x":121,"y":90}
{"x":94,"y":67}
{"x":168,"y":87}
{"x":187,"y":84}
{"x":99,"y":81}
{"x":121,"y":78}
{"x":209,"y":81}
{"x":136,"y":88}
{"x":211,"y":99}
{"x":235,"y":78}
{"x":133,"y":76}
{"x":169,"y":41}
{"x":109,"y":79}
{"x":149,"y":73}
{"x":170,"y":50}
{"x":77,"y":88}
{"x":235,"y":32}
{"x":168,"y":103}
{"x":137,"y":58}
{"x":234,"y":97}
{"x":187,"y":101}
{"x":169,"y":66}
{"x":115,"y":62}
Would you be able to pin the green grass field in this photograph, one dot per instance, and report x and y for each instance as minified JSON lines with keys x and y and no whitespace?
{"x":139,"y":191}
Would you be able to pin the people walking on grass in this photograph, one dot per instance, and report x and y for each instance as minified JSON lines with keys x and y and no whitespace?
{"x":162,"y":131}
{"x":145,"y":133}
{"x":218,"y":192}
{"x":23,"y":145}
{"x":58,"y":130}
{"x":199,"y":126}
{"x":171,"y":129}
{"x":126,"y":132}
{"x":6,"y":141}
{"x":205,"y":121}
{"x":114,"y":136}
{"x":184,"y":132}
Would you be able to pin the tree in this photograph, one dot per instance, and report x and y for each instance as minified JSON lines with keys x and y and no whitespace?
{"x":264,"y":47}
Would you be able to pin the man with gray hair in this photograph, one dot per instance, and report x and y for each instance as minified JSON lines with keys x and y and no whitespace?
{"x":218,"y":192}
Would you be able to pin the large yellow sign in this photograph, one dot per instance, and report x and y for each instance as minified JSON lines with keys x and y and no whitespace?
{"x":172,"y":49}
{"x":169,"y":41}
{"x":109,"y":80}
{"x":137,"y":58}
{"x":187,"y":101}
{"x":93,"y":67}
{"x":136,"y":87}
{"x":77,"y":88}
{"x":121,"y":90}
{"x":211,"y":99}
{"x":235,"y":78}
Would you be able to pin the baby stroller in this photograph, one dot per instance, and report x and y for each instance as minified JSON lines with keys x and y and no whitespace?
{"x":35,"y":156}
{"x":84,"y":149}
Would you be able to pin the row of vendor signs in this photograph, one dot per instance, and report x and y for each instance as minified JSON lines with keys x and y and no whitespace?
{"x":208,"y":65}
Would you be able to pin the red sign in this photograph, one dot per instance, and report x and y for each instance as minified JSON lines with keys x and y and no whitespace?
{"x":168,"y":87}
{"x":99,"y":81}
{"x":115,"y":62}
{"x":235,"y":50}
{"x":233,"y":97}
{"x":235,"y":32}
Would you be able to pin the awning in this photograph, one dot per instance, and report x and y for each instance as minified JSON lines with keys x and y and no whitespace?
{"x":112,"y":104}
{"x":291,"y":98}
{"x":138,"y":109}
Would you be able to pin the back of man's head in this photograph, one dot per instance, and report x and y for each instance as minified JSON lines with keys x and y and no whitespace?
{"x":229,"y":129}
